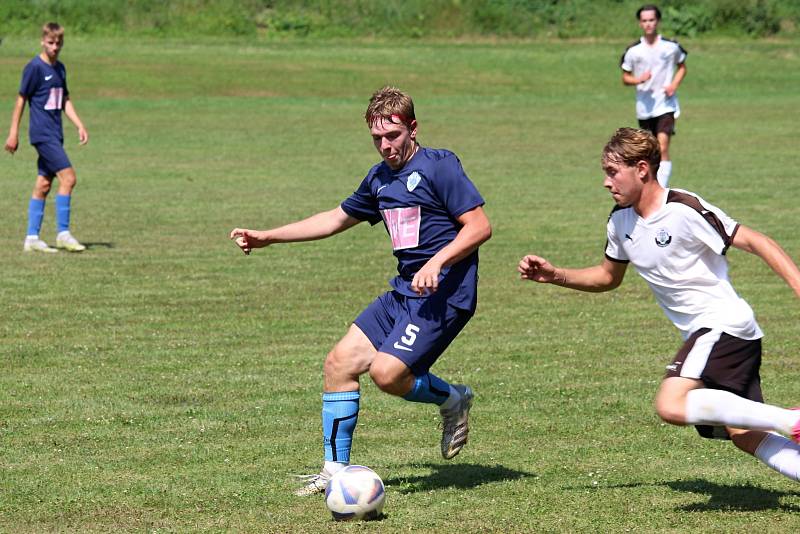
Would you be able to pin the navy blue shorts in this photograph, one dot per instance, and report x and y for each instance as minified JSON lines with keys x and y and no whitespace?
{"x":52,"y":158}
{"x":415,"y":330}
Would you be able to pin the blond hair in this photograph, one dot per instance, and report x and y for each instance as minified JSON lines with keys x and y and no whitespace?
{"x":392,"y":104}
{"x":52,"y":29}
{"x":632,"y":145}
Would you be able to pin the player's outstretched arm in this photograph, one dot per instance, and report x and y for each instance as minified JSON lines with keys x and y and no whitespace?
{"x":604,"y":277}
{"x":475,"y":230}
{"x":12,"y":142}
{"x":319,"y":226}
{"x":72,"y":115}
{"x":771,"y":252}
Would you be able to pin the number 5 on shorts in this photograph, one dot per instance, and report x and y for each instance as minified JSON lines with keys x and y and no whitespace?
{"x":408,"y":339}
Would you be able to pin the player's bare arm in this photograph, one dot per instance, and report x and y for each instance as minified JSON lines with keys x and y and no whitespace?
{"x":771,"y":252}
{"x":629,"y":79}
{"x":12,"y":143}
{"x":319,"y":226}
{"x":475,"y":231}
{"x":603,"y":277}
{"x":72,"y":115}
{"x":680,"y":74}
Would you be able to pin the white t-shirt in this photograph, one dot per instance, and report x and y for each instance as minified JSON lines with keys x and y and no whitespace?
{"x":660,"y":59}
{"x":680,"y":252}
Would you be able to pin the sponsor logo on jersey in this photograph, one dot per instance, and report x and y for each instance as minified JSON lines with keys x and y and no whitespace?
{"x":663,"y":238}
{"x":413,"y":181}
{"x":403,"y":225}
{"x":47,"y":78}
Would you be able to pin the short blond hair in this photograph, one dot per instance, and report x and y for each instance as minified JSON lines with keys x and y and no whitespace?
{"x":52,"y":29}
{"x":392,"y":104}
{"x":632,"y":145}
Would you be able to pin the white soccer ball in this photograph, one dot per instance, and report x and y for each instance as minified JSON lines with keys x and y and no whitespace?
{"x":355,"y":492}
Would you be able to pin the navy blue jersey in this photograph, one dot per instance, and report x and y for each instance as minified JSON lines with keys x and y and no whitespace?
{"x":418,"y":205}
{"x":44,"y":86}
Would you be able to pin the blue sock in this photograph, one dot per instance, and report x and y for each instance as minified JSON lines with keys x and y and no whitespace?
{"x":428,"y":388}
{"x":35,"y":216}
{"x":62,"y":212}
{"x":339,"y":416}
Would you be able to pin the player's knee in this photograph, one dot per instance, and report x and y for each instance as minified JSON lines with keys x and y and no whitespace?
{"x":345,"y":362}
{"x":746,"y":440}
{"x":68,"y":181}
{"x":388,"y":378}
{"x":42,"y":187}
{"x":382,"y":377}
{"x":670,"y":412}
{"x":334,"y":363}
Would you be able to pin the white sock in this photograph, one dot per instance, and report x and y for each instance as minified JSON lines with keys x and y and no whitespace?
{"x":781,"y":455}
{"x":452,"y":400}
{"x":664,"y":172}
{"x":31,"y":237}
{"x":333,"y":467}
{"x":720,"y":408}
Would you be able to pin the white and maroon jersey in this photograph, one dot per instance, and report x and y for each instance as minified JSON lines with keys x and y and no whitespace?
{"x":660,"y":59}
{"x":680,"y":252}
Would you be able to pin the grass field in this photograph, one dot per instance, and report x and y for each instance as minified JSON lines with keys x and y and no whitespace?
{"x":162,"y":381}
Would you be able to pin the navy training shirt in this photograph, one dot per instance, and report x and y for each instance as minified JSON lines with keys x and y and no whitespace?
{"x":44,"y":86}
{"x":418,"y":205}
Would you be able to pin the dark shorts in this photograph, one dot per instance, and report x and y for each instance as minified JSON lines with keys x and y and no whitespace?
{"x":723,"y":362}
{"x":415,"y":330}
{"x":662,"y":124}
{"x":52,"y":158}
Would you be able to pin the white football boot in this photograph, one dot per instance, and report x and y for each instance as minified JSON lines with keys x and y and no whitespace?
{"x":455,"y":423}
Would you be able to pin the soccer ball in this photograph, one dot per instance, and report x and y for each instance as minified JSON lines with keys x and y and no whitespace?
{"x":355,"y":492}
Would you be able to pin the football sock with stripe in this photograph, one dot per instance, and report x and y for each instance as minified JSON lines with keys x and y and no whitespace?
{"x":430,"y":389}
{"x":35,"y":216}
{"x":62,"y":212}
{"x":780,"y":454}
{"x":339,"y":417}
{"x":717,"y":408}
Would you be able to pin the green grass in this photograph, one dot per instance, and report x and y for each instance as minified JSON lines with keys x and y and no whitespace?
{"x":162,"y":381}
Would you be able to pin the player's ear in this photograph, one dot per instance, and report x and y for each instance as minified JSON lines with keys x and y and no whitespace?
{"x":642,"y":169}
{"x":412,"y":129}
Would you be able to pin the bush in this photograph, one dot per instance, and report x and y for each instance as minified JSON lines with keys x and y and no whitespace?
{"x":395,"y":18}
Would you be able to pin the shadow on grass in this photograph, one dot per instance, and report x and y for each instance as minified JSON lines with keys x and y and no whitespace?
{"x":461,"y":476}
{"x":747,"y":498}
{"x":99,"y":244}
{"x":734,"y":498}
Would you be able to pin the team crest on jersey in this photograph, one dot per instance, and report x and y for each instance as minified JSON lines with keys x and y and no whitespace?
{"x":413,"y":181}
{"x":663,"y":238}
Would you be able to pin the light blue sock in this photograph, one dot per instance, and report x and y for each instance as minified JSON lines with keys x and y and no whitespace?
{"x":428,"y":388}
{"x":339,"y":417}
{"x":35,"y":216}
{"x":62,"y":212}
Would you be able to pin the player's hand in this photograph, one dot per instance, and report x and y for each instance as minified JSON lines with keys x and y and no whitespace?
{"x":247,"y":240}
{"x":11,"y":144}
{"x":83,"y":135}
{"x":426,"y":279}
{"x":669,"y":90}
{"x":646,"y":75}
{"x":536,"y":269}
